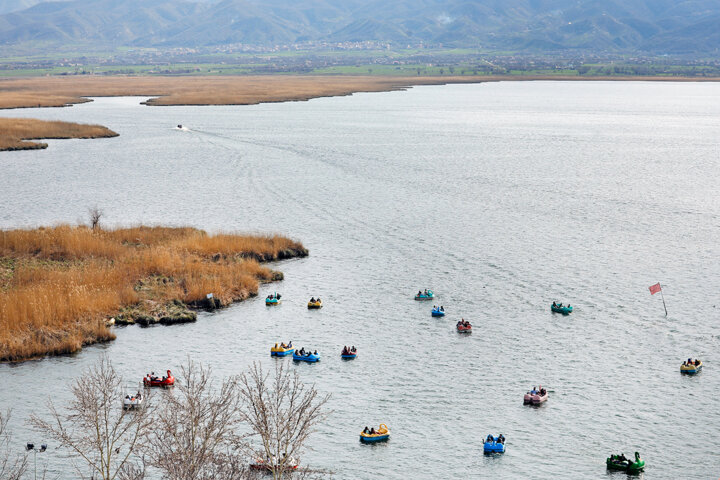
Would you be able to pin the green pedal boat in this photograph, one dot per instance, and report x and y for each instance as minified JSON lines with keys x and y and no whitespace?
{"x":619,"y":462}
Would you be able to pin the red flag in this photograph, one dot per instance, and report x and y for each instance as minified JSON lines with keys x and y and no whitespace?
{"x":655,"y":288}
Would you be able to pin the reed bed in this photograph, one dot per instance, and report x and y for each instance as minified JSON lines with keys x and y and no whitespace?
{"x":15,"y":131}
{"x":61,"y":284}
{"x":60,"y":91}
{"x":201,"y":90}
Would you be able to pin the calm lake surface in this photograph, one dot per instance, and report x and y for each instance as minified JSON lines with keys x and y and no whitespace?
{"x":502,"y":197}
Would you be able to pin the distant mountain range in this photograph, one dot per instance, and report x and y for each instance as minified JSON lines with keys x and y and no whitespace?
{"x":651,"y":26}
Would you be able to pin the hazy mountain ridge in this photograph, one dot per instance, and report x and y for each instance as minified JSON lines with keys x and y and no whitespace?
{"x":656,"y":26}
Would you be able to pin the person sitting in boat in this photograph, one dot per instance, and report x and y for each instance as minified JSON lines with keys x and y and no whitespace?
{"x":315,"y":352}
{"x":318,"y":300}
{"x":426,"y":292}
{"x":367,"y":430}
{"x":372,"y":431}
{"x":489,"y":439}
{"x":302,"y":351}
{"x":312,"y":299}
{"x":353,"y":349}
{"x":344,"y":350}
{"x":419,"y":293}
{"x":289,"y":344}
{"x":441,"y":308}
{"x":623,"y":458}
{"x":554,"y":304}
{"x":697,"y":362}
{"x":501,"y":438}
{"x":276,"y":346}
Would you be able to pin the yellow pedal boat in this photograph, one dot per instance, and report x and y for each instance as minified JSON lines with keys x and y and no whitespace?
{"x":381,"y":434}
{"x":281,"y":350}
{"x":315,"y":304}
{"x":691,"y":367}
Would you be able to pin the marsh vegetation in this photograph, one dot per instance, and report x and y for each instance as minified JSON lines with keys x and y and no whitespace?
{"x":60,"y":286}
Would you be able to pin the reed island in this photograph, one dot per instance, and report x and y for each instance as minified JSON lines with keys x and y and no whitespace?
{"x":62,"y":287}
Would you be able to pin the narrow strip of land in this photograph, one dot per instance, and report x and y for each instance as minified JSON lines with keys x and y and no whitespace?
{"x":60,"y":286}
{"x":14,"y":132}
{"x":238,"y":90}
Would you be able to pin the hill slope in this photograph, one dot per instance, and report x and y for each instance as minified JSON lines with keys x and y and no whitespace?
{"x":656,"y":26}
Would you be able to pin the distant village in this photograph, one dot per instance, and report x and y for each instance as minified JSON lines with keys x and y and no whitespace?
{"x":367,"y":57}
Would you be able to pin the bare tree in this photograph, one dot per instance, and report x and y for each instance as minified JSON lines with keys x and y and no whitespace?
{"x":12,"y":466}
{"x":95,"y":215}
{"x":96,"y":427}
{"x":195,"y":435}
{"x":282,"y":411}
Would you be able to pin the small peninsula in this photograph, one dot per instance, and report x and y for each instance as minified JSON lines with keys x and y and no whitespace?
{"x":61,"y":287}
{"x":14,"y":132}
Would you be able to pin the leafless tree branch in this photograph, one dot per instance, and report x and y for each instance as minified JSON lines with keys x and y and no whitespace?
{"x":95,"y":215}
{"x":96,"y":427}
{"x":282,"y":411}
{"x":195,"y":435}
{"x":12,"y":466}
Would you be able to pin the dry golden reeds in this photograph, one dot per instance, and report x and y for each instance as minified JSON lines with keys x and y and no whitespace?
{"x":14,"y":132}
{"x":61,"y":283}
{"x":202,"y":90}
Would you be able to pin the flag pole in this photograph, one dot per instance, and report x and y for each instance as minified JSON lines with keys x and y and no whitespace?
{"x":663,"y":299}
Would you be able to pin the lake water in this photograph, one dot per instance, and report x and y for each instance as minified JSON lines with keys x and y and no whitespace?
{"x":502,"y":197}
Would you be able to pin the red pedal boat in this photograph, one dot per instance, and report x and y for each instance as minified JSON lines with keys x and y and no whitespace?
{"x":152,"y":381}
{"x":464,"y":327}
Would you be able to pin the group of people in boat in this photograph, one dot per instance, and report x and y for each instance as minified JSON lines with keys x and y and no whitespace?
{"x":691,"y":363}
{"x":463,"y":323}
{"x":306,"y":353}
{"x":425,"y":293}
{"x":440,"y":309}
{"x":273,"y":296}
{"x":538,"y":391}
{"x":620,"y":458}
{"x":499,"y":439}
{"x":273,"y":461}
{"x":151,"y":377}
{"x":560,"y":305}
{"x":370,"y":431}
{"x":285,"y":345}
{"x":313,"y":300}
{"x":132,"y":398}
{"x":349,"y":350}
